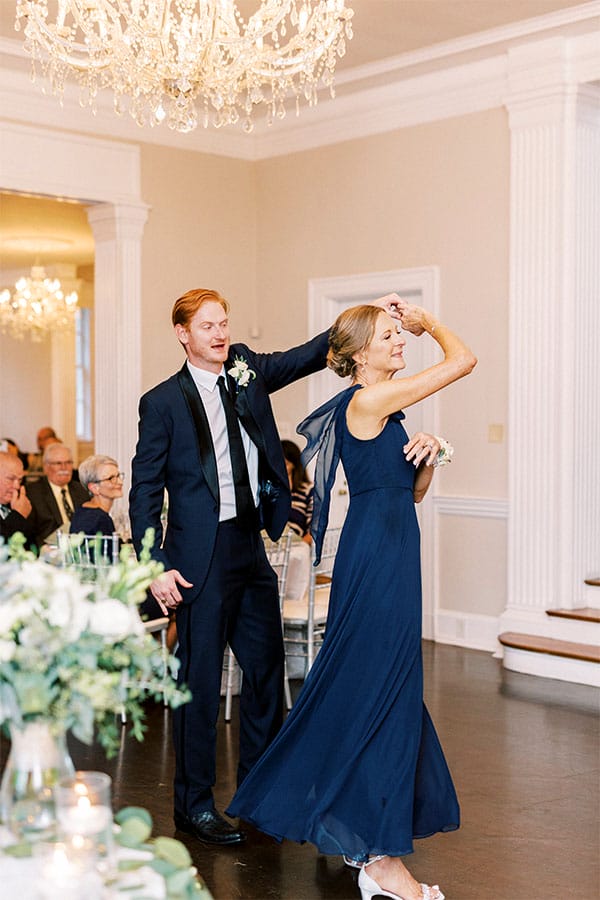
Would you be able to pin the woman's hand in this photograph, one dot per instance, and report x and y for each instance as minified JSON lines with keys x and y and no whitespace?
{"x":415,"y":319}
{"x":422,"y":447}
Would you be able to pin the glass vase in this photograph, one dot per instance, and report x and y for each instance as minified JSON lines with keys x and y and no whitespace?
{"x":38,"y":758}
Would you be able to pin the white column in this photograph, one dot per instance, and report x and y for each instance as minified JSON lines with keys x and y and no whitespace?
{"x":117,"y":232}
{"x":554,"y":422}
{"x":63,"y":366}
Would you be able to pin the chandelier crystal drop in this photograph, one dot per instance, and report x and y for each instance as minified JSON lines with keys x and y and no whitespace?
{"x":181,"y":60}
{"x":36,"y":307}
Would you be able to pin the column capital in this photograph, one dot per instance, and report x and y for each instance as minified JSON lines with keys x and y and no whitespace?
{"x":117,"y":221}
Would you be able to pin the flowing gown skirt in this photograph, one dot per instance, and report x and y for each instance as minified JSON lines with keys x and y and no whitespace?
{"x":357,"y":767}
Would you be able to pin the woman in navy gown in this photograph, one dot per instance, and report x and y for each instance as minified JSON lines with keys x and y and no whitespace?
{"x":357,"y":768}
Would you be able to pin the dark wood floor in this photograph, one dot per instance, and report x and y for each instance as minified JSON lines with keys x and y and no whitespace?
{"x":524,"y":755}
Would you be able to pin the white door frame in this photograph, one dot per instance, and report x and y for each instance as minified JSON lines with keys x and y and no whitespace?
{"x":106,"y":175}
{"x":327,"y":297}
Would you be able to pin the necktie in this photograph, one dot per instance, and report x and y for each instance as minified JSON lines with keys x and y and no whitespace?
{"x":244,"y":502}
{"x":66,"y":504}
{"x":4,"y":510}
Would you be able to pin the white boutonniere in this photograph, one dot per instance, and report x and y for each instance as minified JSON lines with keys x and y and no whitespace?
{"x":241,"y":373}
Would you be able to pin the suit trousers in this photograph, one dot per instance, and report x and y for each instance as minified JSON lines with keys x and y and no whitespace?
{"x":239,"y":605}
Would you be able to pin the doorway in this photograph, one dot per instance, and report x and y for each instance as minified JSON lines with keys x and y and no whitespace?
{"x":105,"y":176}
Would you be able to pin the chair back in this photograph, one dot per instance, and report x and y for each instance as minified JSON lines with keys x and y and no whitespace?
{"x":320,"y":578}
{"x":91,"y":554}
{"x":278,"y":554}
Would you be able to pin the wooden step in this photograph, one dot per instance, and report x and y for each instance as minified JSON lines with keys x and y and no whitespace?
{"x":583,"y":614}
{"x":536,"y":644}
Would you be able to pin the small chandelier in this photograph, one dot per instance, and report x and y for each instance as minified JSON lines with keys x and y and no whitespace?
{"x":36,"y":307}
{"x":171,"y":60}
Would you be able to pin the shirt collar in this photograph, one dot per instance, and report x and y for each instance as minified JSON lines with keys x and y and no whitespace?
{"x":204,"y":379}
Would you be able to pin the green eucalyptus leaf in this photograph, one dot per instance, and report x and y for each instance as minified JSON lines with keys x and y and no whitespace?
{"x":173,"y":851}
{"x":163,"y":867}
{"x":19,"y":851}
{"x":134,"y":831}
{"x":130,"y":865}
{"x":133,"y":812}
{"x":177,"y":883}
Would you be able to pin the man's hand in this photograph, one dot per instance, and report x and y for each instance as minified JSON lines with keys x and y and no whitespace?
{"x":20,"y":502}
{"x":165,"y":591}
{"x":390,"y":303}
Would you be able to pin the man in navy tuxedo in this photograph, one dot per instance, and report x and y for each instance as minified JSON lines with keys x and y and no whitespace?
{"x":208,"y":436}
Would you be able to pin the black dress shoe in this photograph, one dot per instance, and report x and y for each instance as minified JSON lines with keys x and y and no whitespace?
{"x":209,"y":827}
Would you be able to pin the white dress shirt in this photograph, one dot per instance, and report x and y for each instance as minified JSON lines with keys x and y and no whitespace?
{"x":206,"y":383}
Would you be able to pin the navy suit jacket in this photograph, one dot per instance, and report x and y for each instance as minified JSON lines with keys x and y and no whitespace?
{"x":175,"y":451}
{"x":45,"y":516}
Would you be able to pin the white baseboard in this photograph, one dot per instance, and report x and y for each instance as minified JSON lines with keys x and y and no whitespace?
{"x":470,"y":630}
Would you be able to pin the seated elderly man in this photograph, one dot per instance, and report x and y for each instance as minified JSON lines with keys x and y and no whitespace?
{"x":15,"y":508}
{"x":55,"y":497}
{"x":45,"y":437}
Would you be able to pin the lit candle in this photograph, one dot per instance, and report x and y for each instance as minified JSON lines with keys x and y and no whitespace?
{"x":84,"y":814}
{"x":83,"y":818}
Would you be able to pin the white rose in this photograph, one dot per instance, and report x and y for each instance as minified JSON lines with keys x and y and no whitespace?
{"x":7,"y":650}
{"x":10,"y":612}
{"x":113,"y":619}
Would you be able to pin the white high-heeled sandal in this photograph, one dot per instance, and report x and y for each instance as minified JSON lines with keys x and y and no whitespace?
{"x":369,"y":888}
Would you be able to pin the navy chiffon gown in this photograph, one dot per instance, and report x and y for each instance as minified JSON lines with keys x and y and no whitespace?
{"x":357,"y":767}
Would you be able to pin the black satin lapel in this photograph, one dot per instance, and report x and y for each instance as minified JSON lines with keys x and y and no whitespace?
{"x":244,"y":412}
{"x":205,"y":444}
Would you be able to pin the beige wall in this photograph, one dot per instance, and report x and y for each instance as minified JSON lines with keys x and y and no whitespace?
{"x":431,"y":195}
{"x":201,"y":232}
{"x":24,"y":373}
{"x":437,"y":194}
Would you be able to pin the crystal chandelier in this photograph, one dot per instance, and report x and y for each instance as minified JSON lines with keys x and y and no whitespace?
{"x":37,"y":306}
{"x":173,"y":60}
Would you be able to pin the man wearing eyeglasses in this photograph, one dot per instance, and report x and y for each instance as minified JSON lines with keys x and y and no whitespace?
{"x":15,"y":508}
{"x":55,"y":497}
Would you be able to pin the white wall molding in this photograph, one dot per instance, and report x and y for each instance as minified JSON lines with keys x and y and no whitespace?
{"x":457,"y":90}
{"x":472,"y":507}
{"x":453,"y":78}
{"x":67,"y":165}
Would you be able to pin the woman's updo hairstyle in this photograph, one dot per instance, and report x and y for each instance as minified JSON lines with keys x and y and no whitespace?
{"x":352,"y":332}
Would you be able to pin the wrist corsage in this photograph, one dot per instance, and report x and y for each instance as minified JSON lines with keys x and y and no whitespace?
{"x":241,"y":373}
{"x":445,"y":453}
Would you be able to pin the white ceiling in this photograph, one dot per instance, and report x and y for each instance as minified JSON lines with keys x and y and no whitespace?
{"x":385,"y":28}
{"x":382,"y":29}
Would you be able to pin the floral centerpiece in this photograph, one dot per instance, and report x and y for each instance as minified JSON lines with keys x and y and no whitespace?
{"x":76,"y":653}
{"x":73,"y":655}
